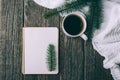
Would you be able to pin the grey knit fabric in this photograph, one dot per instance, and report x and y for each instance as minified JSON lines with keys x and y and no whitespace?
{"x":106,"y":40}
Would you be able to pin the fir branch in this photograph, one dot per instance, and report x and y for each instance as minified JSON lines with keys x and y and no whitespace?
{"x":51,"y":13}
{"x":95,"y":17}
{"x":51,"y":57}
{"x":73,"y":6}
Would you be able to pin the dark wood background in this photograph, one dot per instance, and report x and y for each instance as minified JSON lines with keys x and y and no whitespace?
{"x":77,"y":61}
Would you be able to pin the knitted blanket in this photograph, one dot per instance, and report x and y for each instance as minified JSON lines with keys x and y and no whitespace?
{"x":106,"y":40}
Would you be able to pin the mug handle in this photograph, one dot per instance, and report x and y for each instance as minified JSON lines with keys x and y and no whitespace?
{"x":83,"y":36}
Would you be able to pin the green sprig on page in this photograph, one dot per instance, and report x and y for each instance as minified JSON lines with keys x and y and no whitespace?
{"x":51,"y":57}
{"x":94,"y":16}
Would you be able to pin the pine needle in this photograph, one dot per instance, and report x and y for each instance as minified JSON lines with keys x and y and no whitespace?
{"x":51,"y":57}
{"x":94,"y":17}
{"x":76,"y":5}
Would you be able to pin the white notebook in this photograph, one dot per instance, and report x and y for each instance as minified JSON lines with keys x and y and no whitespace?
{"x":35,"y":45}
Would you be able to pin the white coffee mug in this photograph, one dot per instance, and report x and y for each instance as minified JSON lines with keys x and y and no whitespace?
{"x":70,"y":23}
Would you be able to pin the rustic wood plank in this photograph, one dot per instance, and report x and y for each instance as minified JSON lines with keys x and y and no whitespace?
{"x":33,"y":18}
{"x":71,"y":58}
{"x":33,"y":15}
{"x":0,"y":12}
{"x":2,"y":60}
{"x":30,"y":77}
{"x":2,"y":45}
{"x":94,"y":65}
{"x":11,"y":25}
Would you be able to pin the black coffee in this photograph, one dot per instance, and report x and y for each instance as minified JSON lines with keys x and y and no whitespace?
{"x":73,"y":24}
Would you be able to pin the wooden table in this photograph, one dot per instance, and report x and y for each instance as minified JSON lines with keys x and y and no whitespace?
{"x":77,"y":61}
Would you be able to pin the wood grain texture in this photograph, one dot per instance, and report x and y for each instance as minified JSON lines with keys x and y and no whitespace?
{"x":0,"y":13}
{"x":77,"y":61}
{"x":94,"y":65}
{"x":10,"y":39}
{"x":72,"y":59}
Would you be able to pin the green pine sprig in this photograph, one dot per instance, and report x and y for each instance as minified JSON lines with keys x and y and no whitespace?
{"x":67,"y":7}
{"x":94,"y":17}
{"x":51,"y":57}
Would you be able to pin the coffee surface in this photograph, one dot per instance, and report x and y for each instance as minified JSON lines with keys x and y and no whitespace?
{"x":73,"y":24}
